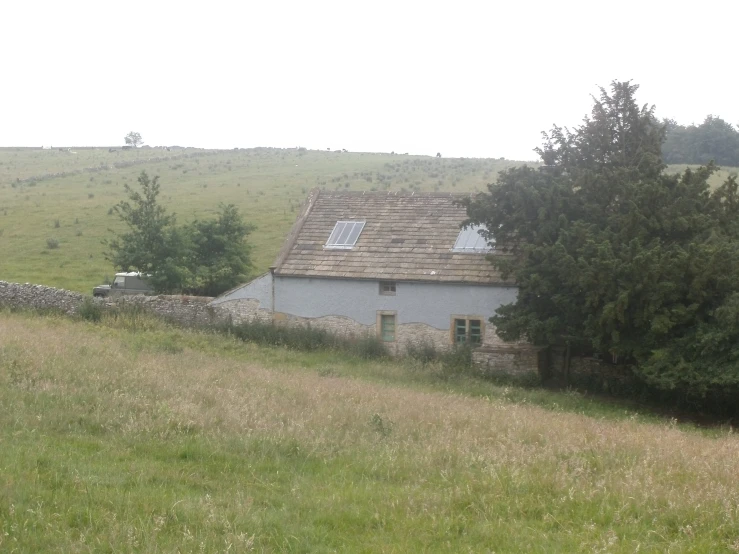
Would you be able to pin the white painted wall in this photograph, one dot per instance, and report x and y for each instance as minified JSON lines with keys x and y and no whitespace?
{"x":429,"y":303}
{"x":259,"y":289}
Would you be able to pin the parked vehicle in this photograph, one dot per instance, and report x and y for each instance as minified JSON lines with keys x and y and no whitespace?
{"x":124,"y":284}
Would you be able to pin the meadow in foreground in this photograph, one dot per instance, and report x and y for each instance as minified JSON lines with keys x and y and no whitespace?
{"x":154,"y":439}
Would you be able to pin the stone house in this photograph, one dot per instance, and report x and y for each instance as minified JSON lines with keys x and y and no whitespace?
{"x":395,"y":265}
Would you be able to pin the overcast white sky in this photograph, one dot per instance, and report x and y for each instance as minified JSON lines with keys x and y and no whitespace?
{"x":461,"y":78}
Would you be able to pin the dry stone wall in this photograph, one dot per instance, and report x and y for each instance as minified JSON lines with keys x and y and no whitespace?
{"x":243,"y":310}
{"x":519,"y":360}
{"x":39,"y":297}
{"x":185,"y":310}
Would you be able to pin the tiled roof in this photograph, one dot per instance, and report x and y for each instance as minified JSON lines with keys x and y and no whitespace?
{"x":406,"y":237}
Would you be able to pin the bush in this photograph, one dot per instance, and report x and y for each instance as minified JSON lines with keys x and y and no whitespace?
{"x":446,"y":364}
{"x":424,"y":353}
{"x":307,"y":339}
{"x":457,"y":362}
{"x":369,"y":348}
{"x":133,"y":316}
{"x":90,"y":310}
{"x":52,"y":243}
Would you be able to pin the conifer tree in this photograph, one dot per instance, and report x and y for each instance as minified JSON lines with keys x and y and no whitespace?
{"x":616,"y":257}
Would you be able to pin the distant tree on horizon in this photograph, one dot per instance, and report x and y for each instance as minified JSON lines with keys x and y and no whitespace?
{"x":714,"y":139}
{"x":133,"y":139}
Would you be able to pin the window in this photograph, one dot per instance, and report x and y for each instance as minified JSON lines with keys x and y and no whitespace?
{"x":345,"y":234}
{"x":470,"y":240}
{"x":387,"y":288}
{"x":466,"y":330}
{"x":386,"y":326}
{"x":119,"y":281}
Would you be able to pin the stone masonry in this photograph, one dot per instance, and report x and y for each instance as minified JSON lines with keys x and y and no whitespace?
{"x":185,"y":310}
{"x":196,"y":311}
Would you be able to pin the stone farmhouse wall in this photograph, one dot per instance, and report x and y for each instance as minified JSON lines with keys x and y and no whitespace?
{"x":406,"y":334}
{"x":197,"y":311}
{"x":495,"y":357}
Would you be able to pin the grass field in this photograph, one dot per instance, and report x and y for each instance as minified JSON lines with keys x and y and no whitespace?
{"x":268,"y":185}
{"x":116,"y":439}
{"x":62,"y":198}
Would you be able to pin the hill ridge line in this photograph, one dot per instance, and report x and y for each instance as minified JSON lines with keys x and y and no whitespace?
{"x":117,"y":165}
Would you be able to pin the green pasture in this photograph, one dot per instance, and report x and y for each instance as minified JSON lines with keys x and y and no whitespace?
{"x":268,"y":185}
{"x":131,"y":436}
{"x":55,"y":204}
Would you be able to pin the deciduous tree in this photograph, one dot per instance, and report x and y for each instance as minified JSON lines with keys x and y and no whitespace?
{"x":133,"y":139}
{"x":203,"y":257}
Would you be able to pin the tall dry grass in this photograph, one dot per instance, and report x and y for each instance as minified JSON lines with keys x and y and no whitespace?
{"x":289,"y":459}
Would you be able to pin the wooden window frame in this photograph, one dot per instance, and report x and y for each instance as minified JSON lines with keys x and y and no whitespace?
{"x":467,"y":319}
{"x":389,"y":284}
{"x":381,"y":313}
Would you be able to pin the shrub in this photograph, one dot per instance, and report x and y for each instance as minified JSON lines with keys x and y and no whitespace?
{"x":52,"y":243}
{"x":457,"y":362}
{"x":447,"y":364}
{"x":57,"y":224}
{"x":369,"y":348}
{"x":132,"y":316}
{"x":306,"y":339}
{"x":425,"y":353}
{"x":90,"y":310}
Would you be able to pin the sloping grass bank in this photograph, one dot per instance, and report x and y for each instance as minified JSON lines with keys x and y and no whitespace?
{"x":154,"y":439}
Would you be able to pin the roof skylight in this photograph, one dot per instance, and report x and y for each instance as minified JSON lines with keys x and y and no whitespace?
{"x":470,"y":240}
{"x":345,"y":234}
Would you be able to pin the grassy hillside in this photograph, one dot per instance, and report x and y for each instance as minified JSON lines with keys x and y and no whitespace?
{"x":63,"y":197}
{"x":172,"y":441}
{"x":66,"y":196}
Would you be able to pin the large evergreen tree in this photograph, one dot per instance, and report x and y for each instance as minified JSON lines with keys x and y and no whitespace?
{"x":616,"y":257}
